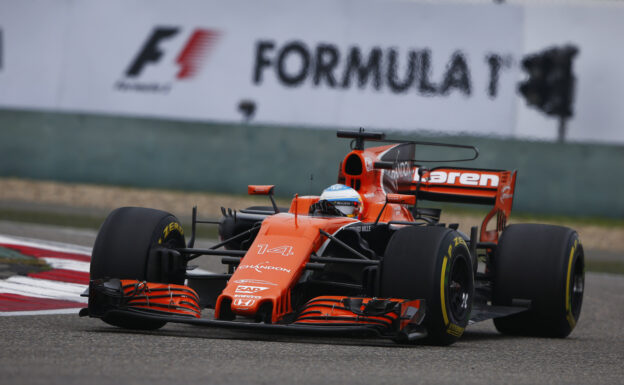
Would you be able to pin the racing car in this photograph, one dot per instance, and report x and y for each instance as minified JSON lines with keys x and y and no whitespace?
{"x":365,"y":258}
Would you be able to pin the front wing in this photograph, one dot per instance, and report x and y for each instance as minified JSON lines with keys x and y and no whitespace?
{"x":397,"y":319}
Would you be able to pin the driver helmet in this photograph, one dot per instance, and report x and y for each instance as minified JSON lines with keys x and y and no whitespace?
{"x":344,"y":198}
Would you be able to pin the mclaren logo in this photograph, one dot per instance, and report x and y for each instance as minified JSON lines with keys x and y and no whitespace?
{"x":458,"y":177}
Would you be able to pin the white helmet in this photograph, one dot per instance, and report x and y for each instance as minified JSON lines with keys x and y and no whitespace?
{"x":344,"y":198}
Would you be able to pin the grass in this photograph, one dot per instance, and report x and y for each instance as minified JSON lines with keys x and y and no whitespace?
{"x":612,"y":267}
{"x":52,"y":218}
{"x":17,"y":262}
{"x":84,"y":221}
{"x":522,"y":217}
{"x":32,"y":262}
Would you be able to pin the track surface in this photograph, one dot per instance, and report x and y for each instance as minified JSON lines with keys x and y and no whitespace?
{"x":66,"y":349}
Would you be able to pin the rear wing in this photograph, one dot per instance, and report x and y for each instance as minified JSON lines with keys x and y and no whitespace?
{"x":466,"y":185}
{"x":400,"y":173}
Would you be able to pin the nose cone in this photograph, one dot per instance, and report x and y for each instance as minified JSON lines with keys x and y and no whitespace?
{"x":274,"y":263}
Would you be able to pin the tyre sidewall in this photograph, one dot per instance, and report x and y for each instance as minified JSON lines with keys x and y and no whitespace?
{"x":442,"y":324}
{"x":537,"y":263}
{"x":417,"y":265}
{"x":124,"y":243}
{"x":168,"y":234}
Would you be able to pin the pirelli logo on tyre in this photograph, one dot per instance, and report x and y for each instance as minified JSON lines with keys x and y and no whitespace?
{"x":455,"y":330}
{"x":171,"y":227}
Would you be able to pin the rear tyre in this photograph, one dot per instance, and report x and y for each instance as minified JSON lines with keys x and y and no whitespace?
{"x":431,"y":263}
{"x":546,"y":265}
{"x":125,"y":249}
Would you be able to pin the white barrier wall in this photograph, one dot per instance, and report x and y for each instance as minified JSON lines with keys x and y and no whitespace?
{"x":385,"y":64}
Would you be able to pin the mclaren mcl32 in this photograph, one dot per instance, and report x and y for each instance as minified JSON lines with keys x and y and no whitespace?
{"x":387,"y":268}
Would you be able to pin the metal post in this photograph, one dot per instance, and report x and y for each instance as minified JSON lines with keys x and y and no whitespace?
{"x":562,"y":128}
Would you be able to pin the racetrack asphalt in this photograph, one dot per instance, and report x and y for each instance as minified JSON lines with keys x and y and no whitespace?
{"x":66,"y":349}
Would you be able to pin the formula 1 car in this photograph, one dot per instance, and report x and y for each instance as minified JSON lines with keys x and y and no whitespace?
{"x":392,"y":271}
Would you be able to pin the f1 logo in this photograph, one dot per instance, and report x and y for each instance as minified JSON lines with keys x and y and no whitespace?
{"x":190,"y":58}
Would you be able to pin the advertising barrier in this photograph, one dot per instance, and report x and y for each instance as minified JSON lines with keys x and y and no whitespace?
{"x":381,"y":64}
{"x":443,"y":67}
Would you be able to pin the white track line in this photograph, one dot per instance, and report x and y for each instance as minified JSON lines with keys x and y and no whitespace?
{"x":43,"y":288}
{"x":39,"y":312}
{"x":67,"y":264}
{"x":48,"y":245}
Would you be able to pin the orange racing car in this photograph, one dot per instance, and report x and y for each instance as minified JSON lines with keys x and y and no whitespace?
{"x":360,"y":259}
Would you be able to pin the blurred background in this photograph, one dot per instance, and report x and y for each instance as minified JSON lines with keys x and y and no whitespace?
{"x":209,"y":96}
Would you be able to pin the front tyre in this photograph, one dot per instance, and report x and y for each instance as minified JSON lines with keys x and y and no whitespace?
{"x":543,"y":264}
{"x":431,"y":263}
{"x":132,"y":244}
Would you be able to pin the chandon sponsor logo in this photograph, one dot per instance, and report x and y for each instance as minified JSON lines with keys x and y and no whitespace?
{"x":264,"y":267}
{"x":328,"y":65}
{"x":189,"y":60}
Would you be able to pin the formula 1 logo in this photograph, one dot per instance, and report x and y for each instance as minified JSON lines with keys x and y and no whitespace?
{"x":286,"y":251}
{"x":188,"y":61}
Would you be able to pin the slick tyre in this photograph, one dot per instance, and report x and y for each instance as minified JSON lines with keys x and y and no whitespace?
{"x":125,"y":249}
{"x":431,"y":263}
{"x":543,"y":264}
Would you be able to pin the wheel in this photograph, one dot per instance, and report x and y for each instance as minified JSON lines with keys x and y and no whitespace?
{"x":431,"y":263}
{"x":124,"y":249}
{"x":544,"y":264}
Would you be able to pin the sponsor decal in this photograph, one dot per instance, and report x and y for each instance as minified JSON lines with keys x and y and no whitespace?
{"x":256,"y":281}
{"x":326,"y":65}
{"x":188,"y":60}
{"x":286,"y":251}
{"x":505,"y":194}
{"x":264,"y":266}
{"x":465,"y":178}
{"x":246,"y":296}
{"x":249,"y":289}
{"x":240,"y":302}
{"x":401,"y":171}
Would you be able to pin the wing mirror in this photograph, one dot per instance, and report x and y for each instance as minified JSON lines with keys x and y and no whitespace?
{"x":260,"y":189}
{"x":263,"y":190}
